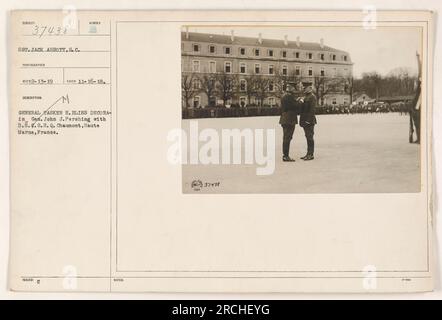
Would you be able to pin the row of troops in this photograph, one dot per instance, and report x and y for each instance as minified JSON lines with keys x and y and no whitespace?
{"x":291,"y":107}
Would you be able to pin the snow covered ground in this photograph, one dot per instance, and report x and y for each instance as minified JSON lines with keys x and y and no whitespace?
{"x":354,"y":153}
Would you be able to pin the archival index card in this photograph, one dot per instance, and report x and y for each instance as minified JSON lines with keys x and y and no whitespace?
{"x":221,"y":151}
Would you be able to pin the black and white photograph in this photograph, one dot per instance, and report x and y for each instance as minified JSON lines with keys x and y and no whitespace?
{"x":285,"y":109}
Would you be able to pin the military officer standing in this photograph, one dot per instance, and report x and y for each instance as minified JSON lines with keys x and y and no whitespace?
{"x":308,"y":120}
{"x":288,"y":120}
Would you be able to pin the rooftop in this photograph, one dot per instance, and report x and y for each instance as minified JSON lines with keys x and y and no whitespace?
{"x":249,"y":41}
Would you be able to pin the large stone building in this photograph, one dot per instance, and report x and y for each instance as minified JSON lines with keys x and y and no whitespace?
{"x":209,"y":61}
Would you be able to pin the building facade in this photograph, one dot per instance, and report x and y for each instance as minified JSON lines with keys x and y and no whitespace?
{"x":227,"y":70}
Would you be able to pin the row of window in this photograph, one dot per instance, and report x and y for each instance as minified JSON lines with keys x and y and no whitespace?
{"x":197,"y":85}
{"x":196,"y":67}
{"x":257,"y":52}
{"x":242,"y":101}
{"x":270,"y":100}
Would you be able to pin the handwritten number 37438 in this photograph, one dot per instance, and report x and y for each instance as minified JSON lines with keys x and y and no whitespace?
{"x":41,"y":31}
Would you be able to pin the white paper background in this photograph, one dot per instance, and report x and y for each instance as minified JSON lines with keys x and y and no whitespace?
{"x":6,"y":5}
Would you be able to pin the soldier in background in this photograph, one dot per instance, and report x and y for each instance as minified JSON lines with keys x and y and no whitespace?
{"x":288,"y":120}
{"x":414,"y":110}
{"x":308,"y":121}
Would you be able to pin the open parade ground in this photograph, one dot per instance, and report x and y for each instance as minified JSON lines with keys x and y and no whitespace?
{"x":361,"y":153}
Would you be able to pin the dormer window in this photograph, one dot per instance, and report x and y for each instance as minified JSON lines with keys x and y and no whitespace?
{"x":196,"y":48}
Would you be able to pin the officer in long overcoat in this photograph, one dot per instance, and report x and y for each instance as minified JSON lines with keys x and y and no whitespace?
{"x":289,"y":119}
{"x":308,"y":121}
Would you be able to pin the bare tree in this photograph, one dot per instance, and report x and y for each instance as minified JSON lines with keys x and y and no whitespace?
{"x":249,"y":87}
{"x":208,"y":86}
{"x":281,"y":83}
{"x":398,"y":82}
{"x":261,"y":88}
{"x":319,"y":84}
{"x":226,"y":86}
{"x":375,"y":80}
{"x":189,"y":91}
{"x":349,"y":87}
{"x":324,"y":85}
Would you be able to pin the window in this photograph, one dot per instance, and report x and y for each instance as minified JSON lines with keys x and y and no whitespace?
{"x":284,"y":70}
{"x":333,"y":57}
{"x":212,"y":49}
{"x":196,"y":102}
{"x":322,"y":72}
{"x":310,"y":55}
{"x":321,"y":56}
{"x":271,"y":87}
{"x":297,"y":70}
{"x":344,"y":58}
{"x":212,"y":66}
{"x":334,"y":101}
{"x":271,"y":101}
{"x":345,"y":72}
{"x":270,"y":53}
{"x":297,"y":55}
{"x":242,"y":68}
{"x":284,"y":54}
{"x":196,"y":48}
{"x":226,"y":50}
{"x":335,"y":72}
{"x":242,"y":85}
{"x":257,"y":68}
{"x":242,"y":51}
{"x":257,"y":52}
{"x":196,"y":66}
{"x":310,"y":71}
{"x":271,"y":69}
{"x":196,"y":84}
{"x":227,"y":67}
